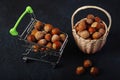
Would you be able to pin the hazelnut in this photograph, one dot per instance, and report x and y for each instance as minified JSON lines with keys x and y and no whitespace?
{"x":57,"y":45}
{"x":95,"y":25}
{"x":55,"y":31}
{"x":48,"y":36}
{"x":55,"y":37}
{"x":91,"y":30}
{"x":90,"y":16}
{"x":38,"y":25}
{"x":42,"y":49}
{"x":97,"y":19}
{"x":62,"y":37}
{"x":96,"y":35}
{"x":49,"y":45}
{"x":42,"y":42}
{"x":84,"y":34}
{"x":31,"y":38}
{"x":102,"y":31}
{"x":39,"y":35}
{"x":87,"y":63}
{"x":102,"y":25}
{"x":80,"y":70}
{"x":81,"y":25}
{"x":94,"y":71}
{"x":48,"y":27}
{"x":89,"y":21}
{"x":35,"y":48}
{"x":34,"y":31}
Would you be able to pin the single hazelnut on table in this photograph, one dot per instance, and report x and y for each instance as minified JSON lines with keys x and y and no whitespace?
{"x":94,"y":71}
{"x":48,"y":27}
{"x":39,"y":35}
{"x":55,"y":31}
{"x":96,"y":35}
{"x":80,"y":70}
{"x":90,"y":16}
{"x":42,"y":42}
{"x":91,"y":30}
{"x":55,"y":37}
{"x":84,"y":34}
{"x":38,"y":25}
{"x":87,"y":63}
{"x":48,"y":36}
{"x":97,"y":19}
{"x":31,"y":38}
{"x":81,"y":26}
{"x":62,"y":37}
{"x":57,"y":45}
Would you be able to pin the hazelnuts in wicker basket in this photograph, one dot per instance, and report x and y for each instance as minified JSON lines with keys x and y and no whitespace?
{"x":46,"y":36}
{"x":90,"y":27}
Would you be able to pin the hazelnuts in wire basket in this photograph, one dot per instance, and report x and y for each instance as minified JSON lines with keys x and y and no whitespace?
{"x":47,"y":36}
{"x":90,"y":27}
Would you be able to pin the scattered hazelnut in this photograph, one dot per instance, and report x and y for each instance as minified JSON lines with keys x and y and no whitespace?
{"x":55,"y":31}
{"x":97,"y":19}
{"x":91,"y":30}
{"x":87,"y":63}
{"x":62,"y":37}
{"x":96,"y":35}
{"x":80,"y":70}
{"x":42,"y":42}
{"x":31,"y":38}
{"x":38,"y":25}
{"x":84,"y":34}
{"x":48,"y":36}
{"x":57,"y":45}
{"x":55,"y":37}
{"x":94,"y":71}
{"x":102,"y":31}
{"x":39,"y":35}
{"x":48,"y":27}
{"x":90,"y":16}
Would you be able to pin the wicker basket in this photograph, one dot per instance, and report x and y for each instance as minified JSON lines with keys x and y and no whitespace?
{"x":90,"y":46}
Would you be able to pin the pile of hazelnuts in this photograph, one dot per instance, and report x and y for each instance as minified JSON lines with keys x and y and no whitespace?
{"x":92,"y":27}
{"x":88,"y":67}
{"x":47,"y":36}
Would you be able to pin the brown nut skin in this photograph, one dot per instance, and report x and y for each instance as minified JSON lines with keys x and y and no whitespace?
{"x":91,"y":30}
{"x":89,"y":21}
{"x":94,"y":71}
{"x":48,"y":36}
{"x":62,"y":37}
{"x":55,"y":31}
{"x":31,"y":38}
{"x":34,"y":32}
{"x":39,"y":35}
{"x":48,"y":27}
{"x":87,"y":63}
{"x":49,"y":45}
{"x":95,"y":25}
{"x":96,"y":35}
{"x":56,"y":45}
{"x":80,"y":70}
{"x":90,"y":16}
{"x":97,"y":19}
{"x":55,"y":37}
{"x":102,"y":31}
{"x":84,"y":34}
{"x":81,"y":26}
{"x":35,"y":48}
{"x":38,"y":25}
{"x":42,"y":42}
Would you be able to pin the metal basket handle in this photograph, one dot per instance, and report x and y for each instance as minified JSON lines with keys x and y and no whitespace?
{"x":13,"y":30}
{"x":94,"y":7}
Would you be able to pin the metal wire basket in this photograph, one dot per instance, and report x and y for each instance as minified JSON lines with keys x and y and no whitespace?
{"x":50,"y":55}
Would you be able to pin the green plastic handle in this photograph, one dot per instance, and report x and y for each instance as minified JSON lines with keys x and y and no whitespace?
{"x":13,"y":30}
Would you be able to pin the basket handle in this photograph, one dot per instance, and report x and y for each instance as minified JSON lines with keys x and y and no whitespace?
{"x":94,"y":7}
{"x":13,"y":30}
